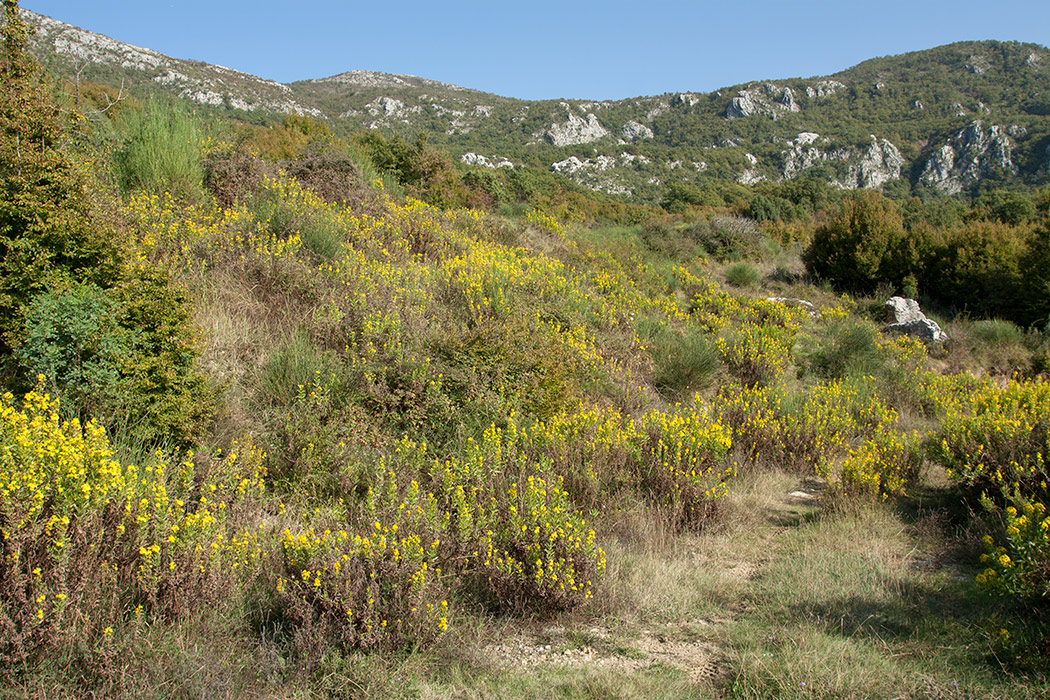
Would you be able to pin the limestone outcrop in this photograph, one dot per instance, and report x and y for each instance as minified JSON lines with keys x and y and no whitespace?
{"x":905,"y":316}
{"x":967,"y":157}
{"x":766,"y":99}
{"x":576,"y":130}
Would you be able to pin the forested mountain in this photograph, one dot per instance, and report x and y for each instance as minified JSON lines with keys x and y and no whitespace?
{"x":957,"y":119}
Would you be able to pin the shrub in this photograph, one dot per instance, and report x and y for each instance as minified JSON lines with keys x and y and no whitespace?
{"x":127,"y":357}
{"x":161,"y":152}
{"x":742,"y":274}
{"x":378,"y":590}
{"x":842,"y":348}
{"x":520,"y":543}
{"x":73,"y":339}
{"x":863,"y":245}
{"x":48,"y":238}
{"x":1017,"y":569}
{"x":884,"y":465}
{"x":995,"y":441}
{"x":681,"y":470}
{"x":88,"y":540}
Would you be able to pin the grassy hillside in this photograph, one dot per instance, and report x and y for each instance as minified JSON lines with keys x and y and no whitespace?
{"x":290,"y":413}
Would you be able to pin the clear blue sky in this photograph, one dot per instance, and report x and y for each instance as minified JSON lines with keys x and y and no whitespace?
{"x":541,"y":49}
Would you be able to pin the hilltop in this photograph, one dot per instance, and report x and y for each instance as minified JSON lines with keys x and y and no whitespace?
{"x":956,"y":119}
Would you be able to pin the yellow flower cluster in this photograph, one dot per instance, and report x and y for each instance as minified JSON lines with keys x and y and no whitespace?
{"x":379,"y":589}
{"x":544,"y":221}
{"x":74,"y":517}
{"x":884,"y":464}
{"x":804,"y":430}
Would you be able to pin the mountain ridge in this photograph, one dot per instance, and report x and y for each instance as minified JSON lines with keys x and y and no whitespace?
{"x":947,"y":120}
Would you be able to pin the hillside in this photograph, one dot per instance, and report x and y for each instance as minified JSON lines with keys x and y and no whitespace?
{"x":289,"y":413}
{"x":955,"y":119}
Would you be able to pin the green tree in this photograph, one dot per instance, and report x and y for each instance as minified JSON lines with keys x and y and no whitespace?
{"x":47,"y":237}
{"x":863,"y":245}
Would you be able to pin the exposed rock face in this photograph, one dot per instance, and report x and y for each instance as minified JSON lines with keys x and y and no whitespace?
{"x":576,"y":130}
{"x":685,"y":99}
{"x":592,"y":173}
{"x":203,"y":84}
{"x":904,"y":316}
{"x":767,"y":99}
{"x":633,"y":130}
{"x":389,"y":107}
{"x":879,"y":164}
{"x":825,"y":88}
{"x":872,"y":167}
{"x":967,"y":157}
{"x":477,"y":160}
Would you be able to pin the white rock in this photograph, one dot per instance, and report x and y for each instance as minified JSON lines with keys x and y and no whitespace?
{"x":634,"y":130}
{"x":576,"y":130}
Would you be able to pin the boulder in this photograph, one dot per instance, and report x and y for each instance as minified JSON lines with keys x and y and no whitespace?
{"x":925,"y":330}
{"x":901,"y":310}
{"x":904,"y":316}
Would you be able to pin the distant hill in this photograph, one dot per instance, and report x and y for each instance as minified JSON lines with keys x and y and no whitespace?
{"x":954,"y":119}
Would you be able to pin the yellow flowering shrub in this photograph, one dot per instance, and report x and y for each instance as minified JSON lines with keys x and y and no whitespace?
{"x":683,"y":470}
{"x":997,"y":441}
{"x":84,"y":535}
{"x":884,"y":465}
{"x":804,"y":430}
{"x":519,"y":541}
{"x":378,"y":589}
{"x":1019,"y":567}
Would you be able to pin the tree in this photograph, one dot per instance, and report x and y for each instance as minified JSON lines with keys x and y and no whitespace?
{"x":863,"y":245}
{"x":47,"y":238}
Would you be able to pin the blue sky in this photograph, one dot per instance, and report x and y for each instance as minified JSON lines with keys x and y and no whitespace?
{"x":541,"y":49}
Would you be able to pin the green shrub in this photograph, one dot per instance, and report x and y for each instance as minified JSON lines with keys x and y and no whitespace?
{"x":742,"y":274}
{"x":842,"y":348}
{"x":73,"y":339}
{"x":48,"y":236}
{"x":162,"y":151}
{"x":863,"y":245}
{"x":127,"y":358}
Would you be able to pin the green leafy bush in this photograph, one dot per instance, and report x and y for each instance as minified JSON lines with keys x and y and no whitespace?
{"x":863,"y":245}
{"x":48,"y":236}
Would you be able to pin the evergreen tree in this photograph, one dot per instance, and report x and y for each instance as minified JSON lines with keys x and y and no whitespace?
{"x":47,"y":237}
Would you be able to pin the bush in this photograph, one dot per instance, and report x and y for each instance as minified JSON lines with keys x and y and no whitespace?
{"x":48,"y":238}
{"x":375,"y":591}
{"x":127,"y":357}
{"x":863,"y":245}
{"x":91,"y":544}
{"x":884,"y":465}
{"x":74,"y":340}
{"x":161,"y":152}
{"x":742,"y":274}
{"x":997,"y":441}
